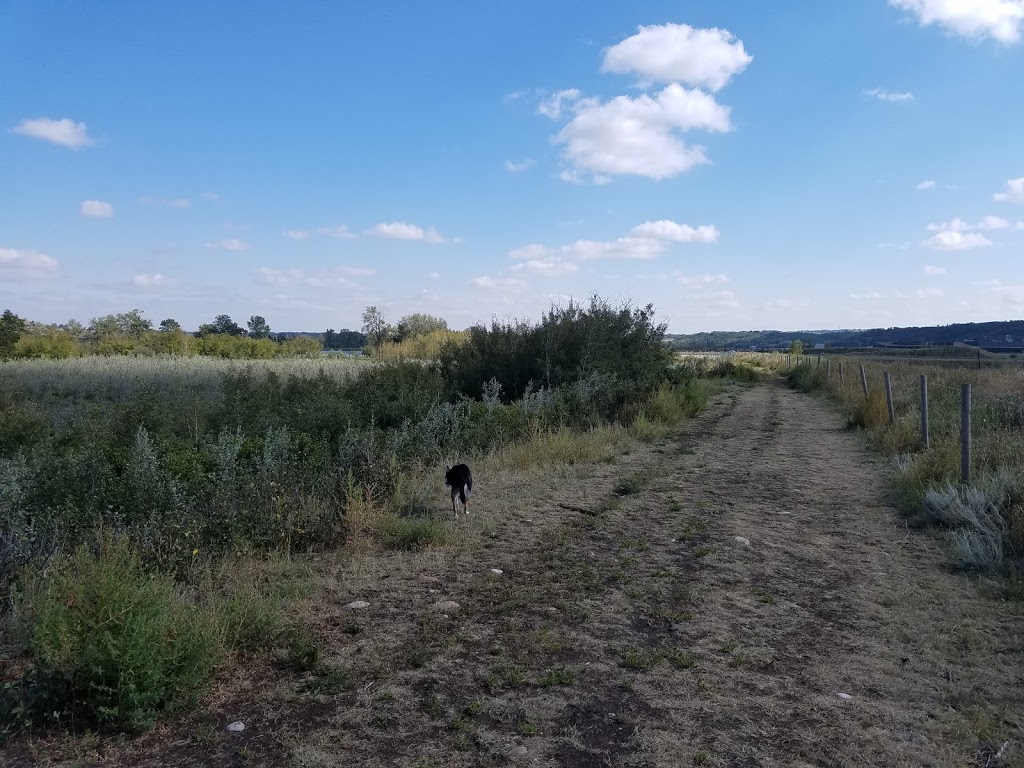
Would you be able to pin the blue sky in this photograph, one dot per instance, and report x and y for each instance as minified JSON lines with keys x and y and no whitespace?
{"x":852,"y":163}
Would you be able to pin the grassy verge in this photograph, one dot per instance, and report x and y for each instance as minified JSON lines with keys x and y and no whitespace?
{"x":984,"y":521}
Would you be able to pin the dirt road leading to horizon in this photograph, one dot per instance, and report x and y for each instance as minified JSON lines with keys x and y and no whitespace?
{"x":630,"y":627}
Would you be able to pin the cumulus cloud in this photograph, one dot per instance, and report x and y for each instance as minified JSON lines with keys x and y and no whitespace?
{"x":883,"y":95}
{"x":231,"y":244}
{"x":65,"y":132}
{"x":1014,"y":192}
{"x":957,"y":240}
{"x":552,"y":105}
{"x":26,"y":263}
{"x":645,"y":241}
{"x":153,"y":280}
{"x":96,"y":209}
{"x":927,"y":184}
{"x":993,"y":222}
{"x":297,"y":234}
{"x":934,"y":271}
{"x":665,"y":229}
{"x":641,"y":135}
{"x":679,"y":53}
{"x":959,"y":225}
{"x":523,"y":165}
{"x":998,"y":19}
{"x":401,"y":231}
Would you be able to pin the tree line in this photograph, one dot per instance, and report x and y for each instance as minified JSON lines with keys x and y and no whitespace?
{"x":132,"y":333}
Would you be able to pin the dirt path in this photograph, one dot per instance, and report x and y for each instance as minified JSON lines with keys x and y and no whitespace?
{"x":629,"y":628}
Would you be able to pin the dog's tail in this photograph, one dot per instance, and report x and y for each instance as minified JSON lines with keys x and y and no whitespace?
{"x":464,"y":491}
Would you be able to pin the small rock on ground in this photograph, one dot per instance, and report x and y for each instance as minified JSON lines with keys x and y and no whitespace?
{"x":446,"y":605}
{"x":519,"y":750}
{"x":497,"y":571}
{"x":844,"y":696}
{"x":742,"y":541}
{"x":236,"y":726}
{"x":356,"y":605}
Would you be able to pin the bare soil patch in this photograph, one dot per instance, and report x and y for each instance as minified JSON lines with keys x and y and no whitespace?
{"x":630,"y":628}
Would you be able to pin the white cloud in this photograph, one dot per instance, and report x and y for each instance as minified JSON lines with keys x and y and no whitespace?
{"x":883,"y":95}
{"x":993,"y":222}
{"x":231,"y":244}
{"x":705,"y":279}
{"x":210,"y":196}
{"x":665,"y":229}
{"x":870,"y":296}
{"x":497,"y":283}
{"x":679,"y":53}
{"x":28,"y":263}
{"x":341,"y":232}
{"x":930,"y":293}
{"x":640,"y":135}
{"x":957,"y":240}
{"x":549,"y":267}
{"x":153,"y":280}
{"x":96,"y":209}
{"x":1014,"y":192}
{"x":956,"y":225}
{"x":401,"y":231}
{"x":297,"y":234}
{"x":337,"y":277}
{"x":927,"y":184}
{"x":433,"y":275}
{"x":999,"y":19}
{"x":519,"y":167}
{"x":645,"y":241}
{"x":176,"y":202}
{"x":65,"y":132}
{"x":934,"y":271}
{"x":553,"y":104}
{"x":959,"y":225}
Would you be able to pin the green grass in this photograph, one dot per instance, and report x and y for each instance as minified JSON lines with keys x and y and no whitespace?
{"x":631,"y":484}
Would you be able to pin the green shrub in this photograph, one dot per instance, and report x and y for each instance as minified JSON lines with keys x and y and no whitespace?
{"x":120,"y":646}
{"x":808,"y":378}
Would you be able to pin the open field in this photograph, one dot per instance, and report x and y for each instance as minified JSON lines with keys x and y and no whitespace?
{"x":629,"y":627}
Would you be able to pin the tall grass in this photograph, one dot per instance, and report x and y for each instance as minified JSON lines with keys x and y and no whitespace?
{"x":986,"y":521}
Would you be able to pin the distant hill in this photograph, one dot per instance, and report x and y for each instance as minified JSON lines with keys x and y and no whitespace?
{"x":1009,"y":333}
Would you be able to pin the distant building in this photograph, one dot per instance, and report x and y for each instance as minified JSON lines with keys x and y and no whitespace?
{"x":819,"y":346}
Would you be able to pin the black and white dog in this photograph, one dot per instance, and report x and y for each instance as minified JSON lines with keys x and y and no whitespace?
{"x":460,"y":480}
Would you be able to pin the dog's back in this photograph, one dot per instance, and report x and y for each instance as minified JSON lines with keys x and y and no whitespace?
{"x":460,"y":480}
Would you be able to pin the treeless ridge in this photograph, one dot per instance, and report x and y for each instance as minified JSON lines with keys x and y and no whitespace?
{"x":630,"y":628}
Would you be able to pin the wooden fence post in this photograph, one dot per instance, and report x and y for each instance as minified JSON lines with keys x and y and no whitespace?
{"x":965,"y":434}
{"x":828,"y":370}
{"x":924,"y":411}
{"x":864,"y":381}
{"x":842,"y":375}
{"x":888,"y":398}
{"x":819,"y":361}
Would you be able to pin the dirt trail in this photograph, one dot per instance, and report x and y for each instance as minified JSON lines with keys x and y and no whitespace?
{"x":629,"y":628}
